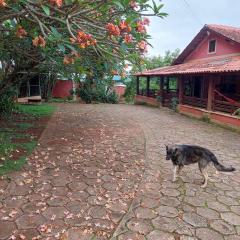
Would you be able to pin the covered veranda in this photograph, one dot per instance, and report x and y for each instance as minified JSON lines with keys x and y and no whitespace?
{"x":204,"y":88}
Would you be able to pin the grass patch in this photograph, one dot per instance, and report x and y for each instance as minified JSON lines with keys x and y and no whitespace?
{"x":23,"y":126}
{"x":5,"y":145}
{"x":62,"y":100}
{"x":18,"y":137}
{"x":37,"y":110}
{"x":29,"y":146}
{"x":10,"y":166}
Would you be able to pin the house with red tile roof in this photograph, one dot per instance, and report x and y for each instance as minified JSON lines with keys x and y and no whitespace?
{"x":204,"y":79}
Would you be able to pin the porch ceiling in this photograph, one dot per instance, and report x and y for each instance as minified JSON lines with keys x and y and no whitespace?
{"x":207,"y":65}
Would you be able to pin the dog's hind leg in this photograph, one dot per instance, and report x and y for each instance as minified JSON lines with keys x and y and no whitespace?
{"x":202,"y":167}
{"x":205,"y":175}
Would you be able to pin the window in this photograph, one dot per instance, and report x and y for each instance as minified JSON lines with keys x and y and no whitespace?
{"x":212,"y":46}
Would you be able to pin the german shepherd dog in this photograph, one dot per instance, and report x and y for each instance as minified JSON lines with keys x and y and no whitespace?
{"x":188,"y":154}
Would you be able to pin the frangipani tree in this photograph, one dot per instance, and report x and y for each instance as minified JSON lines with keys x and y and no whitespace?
{"x":72,"y":32}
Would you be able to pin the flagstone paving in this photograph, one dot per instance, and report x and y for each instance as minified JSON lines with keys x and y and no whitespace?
{"x":100,"y":172}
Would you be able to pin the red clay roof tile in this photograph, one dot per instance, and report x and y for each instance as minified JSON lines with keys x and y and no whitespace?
{"x":207,"y":65}
{"x":232,"y":33}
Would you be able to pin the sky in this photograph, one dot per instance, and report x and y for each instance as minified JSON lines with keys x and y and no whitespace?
{"x":185,"y":20}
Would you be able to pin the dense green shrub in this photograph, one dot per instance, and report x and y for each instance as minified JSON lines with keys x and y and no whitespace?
{"x":112,"y":98}
{"x":85,"y":94}
{"x":7,"y":102}
{"x":174,"y":103}
{"x":130,"y":91}
{"x":97,"y":94}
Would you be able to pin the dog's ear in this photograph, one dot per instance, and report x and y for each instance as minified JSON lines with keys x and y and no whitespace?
{"x":166,"y":146}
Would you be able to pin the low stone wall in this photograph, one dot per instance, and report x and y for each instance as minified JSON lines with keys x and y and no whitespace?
{"x":146,"y":100}
{"x":215,"y":117}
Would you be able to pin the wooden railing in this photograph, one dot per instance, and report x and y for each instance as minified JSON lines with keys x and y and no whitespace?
{"x":151,"y":93}
{"x":193,"y":101}
{"x":142,"y":92}
{"x":167,"y":98}
{"x":223,"y":106}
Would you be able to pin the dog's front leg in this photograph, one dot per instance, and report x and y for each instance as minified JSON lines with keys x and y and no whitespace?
{"x":175,"y":171}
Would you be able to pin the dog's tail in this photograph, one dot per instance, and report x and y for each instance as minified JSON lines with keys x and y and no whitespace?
{"x":219,"y":166}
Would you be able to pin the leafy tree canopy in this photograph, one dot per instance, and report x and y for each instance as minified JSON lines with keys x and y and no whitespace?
{"x":76,"y":33}
{"x":160,"y":61}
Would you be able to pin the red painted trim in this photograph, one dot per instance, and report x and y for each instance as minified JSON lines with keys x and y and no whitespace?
{"x":226,"y":119}
{"x":192,"y":111}
{"x":216,"y":117}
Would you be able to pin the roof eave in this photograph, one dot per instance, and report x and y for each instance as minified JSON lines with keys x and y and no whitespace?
{"x":187,"y":50}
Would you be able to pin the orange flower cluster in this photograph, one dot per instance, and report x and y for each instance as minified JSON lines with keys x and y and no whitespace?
{"x":124,"y":26}
{"x":84,"y":40}
{"x":114,"y":72}
{"x":71,"y":59}
{"x":123,"y":74}
{"x":128,"y":38}
{"x":142,"y":45}
{"x":122,"y":29}
{"x":58,"y":3}
{"x":133,"y":5}
{"x":68,"y":60}
{"x":113,"y":30}
{"x":3,"y":3}
{"x":21,"y":32}
{"x":146,"y":21}
{"x":140,"y":27}
{"x":39,"y":41}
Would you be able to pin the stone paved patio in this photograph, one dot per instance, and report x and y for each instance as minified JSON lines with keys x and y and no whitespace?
{"x":99,"y":172}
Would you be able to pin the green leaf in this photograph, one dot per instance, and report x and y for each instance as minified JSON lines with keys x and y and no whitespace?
{"x":70,"y":47}
{"x":46,"y":9}
{"x":106,"y":66}
{"x":56,"y":33}
{"x":124,"y":47}
{"x":62,"y":48}
{"x":120,"y":5}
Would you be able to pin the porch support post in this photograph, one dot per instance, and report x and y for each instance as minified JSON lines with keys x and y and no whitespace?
{"x":161,"y":84}
{"x":161,"y":88}
{"x":137,"y":85}
{"x":167,"y":84}
{"x":210,"y":93}
{"x":148,"y":85}
{"x":180,"y":89}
